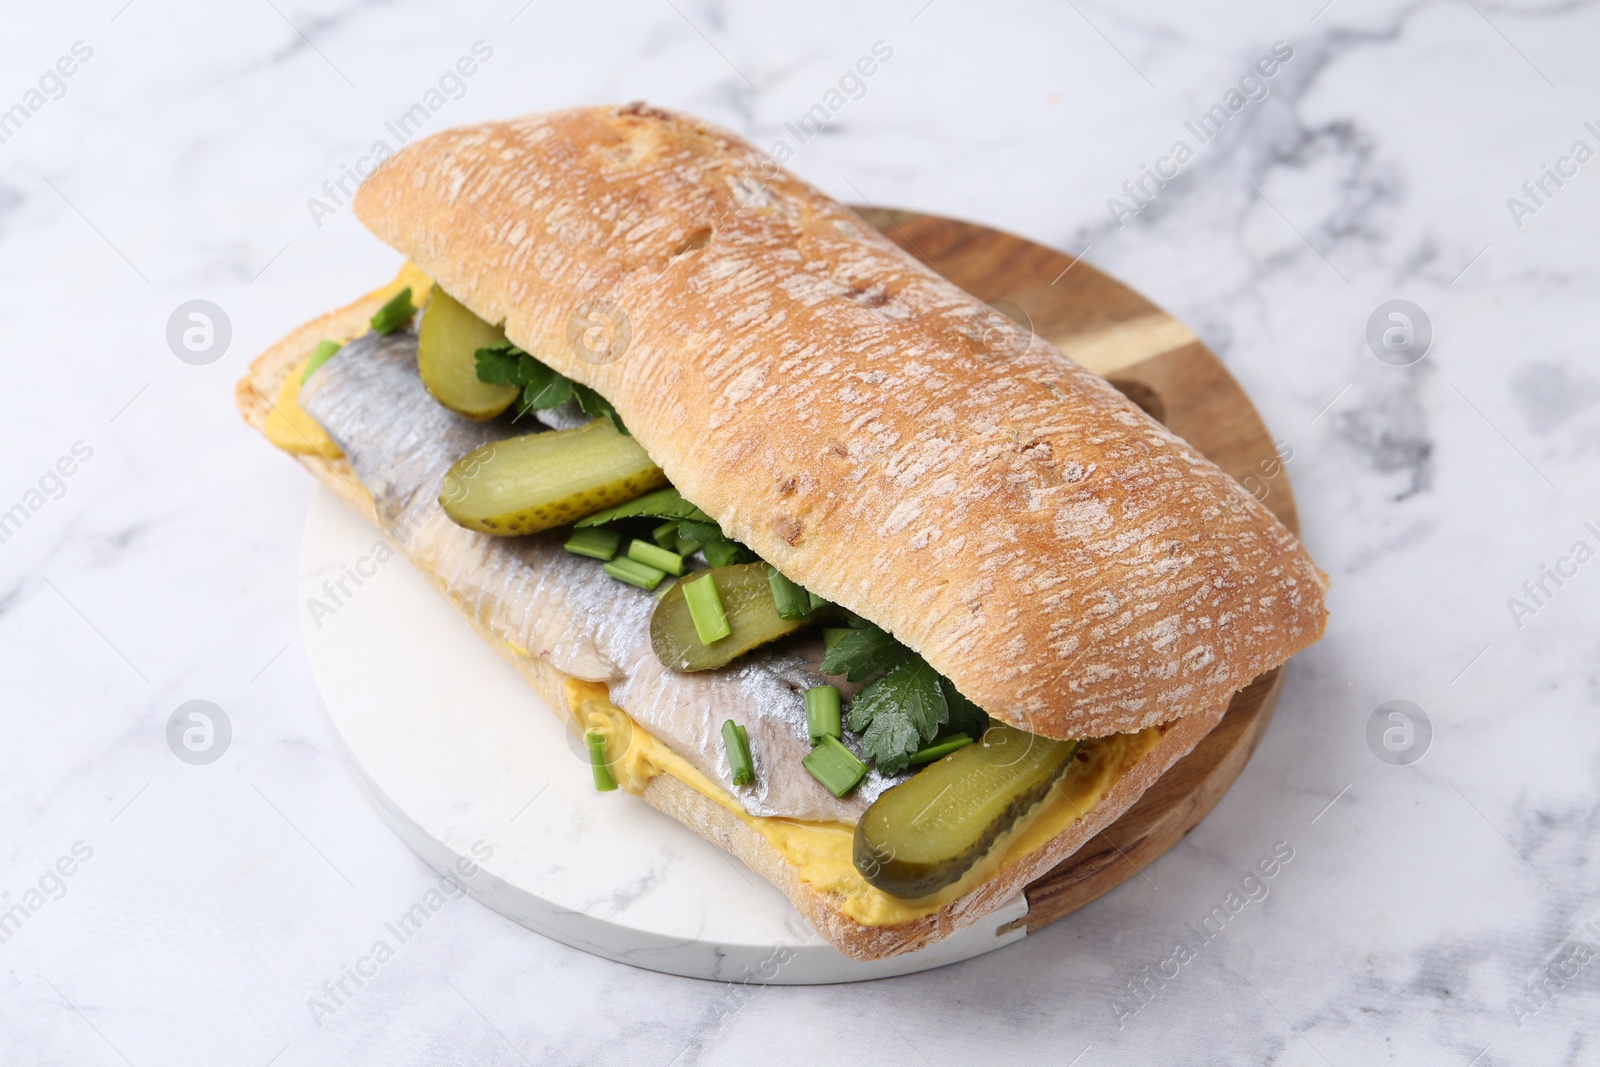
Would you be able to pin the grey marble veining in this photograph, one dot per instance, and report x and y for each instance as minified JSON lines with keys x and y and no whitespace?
{"x":1435,"y":913}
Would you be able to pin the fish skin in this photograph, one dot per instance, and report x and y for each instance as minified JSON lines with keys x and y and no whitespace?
{"x":565,"y":416}
{"x":536,"y":596}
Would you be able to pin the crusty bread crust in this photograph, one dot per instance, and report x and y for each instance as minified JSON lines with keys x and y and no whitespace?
{"x":1072,"y":566}
{"x":699,"y":813}
{"x":255,"y":392}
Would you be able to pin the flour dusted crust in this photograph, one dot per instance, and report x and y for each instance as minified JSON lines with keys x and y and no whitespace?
{"x":858,"y":421}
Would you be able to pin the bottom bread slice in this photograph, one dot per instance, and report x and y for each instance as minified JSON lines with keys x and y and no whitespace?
{"x":705,"y":816}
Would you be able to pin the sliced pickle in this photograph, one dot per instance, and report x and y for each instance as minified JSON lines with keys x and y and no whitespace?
{"x":447,"y":349}
{"x":924,"y":833}
{"x":526,"y":484}
{"x":752,"y":616}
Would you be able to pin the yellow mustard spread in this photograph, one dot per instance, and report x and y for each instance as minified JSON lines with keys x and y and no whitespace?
{"x":821,"y":851}
{"x":288,"y":425}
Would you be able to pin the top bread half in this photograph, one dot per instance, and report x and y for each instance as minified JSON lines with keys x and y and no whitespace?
{"x":857,"y":420}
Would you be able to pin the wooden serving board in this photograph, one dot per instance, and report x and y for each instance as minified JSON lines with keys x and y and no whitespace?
{"x":1158,"y":363}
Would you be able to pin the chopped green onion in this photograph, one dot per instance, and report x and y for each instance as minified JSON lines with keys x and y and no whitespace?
{"x":594,"y":542}
{"x":666,"y":535}
{"x":941,"y":750}
{"x":635,"y":573}
{"x":687,"y":546}
{"x":598,"y":762}
{"x":319,"y":356}
{"x":396,"y":313}
{"x":822,"y":712}
{"x":705,"y":609}
{"x":656,"y":556}
{"x":817,"y":603}
{"x":737,"y":744}
{"x":835,"y":766}
{"x":831,"y":635}
{"x":793,"y":602}
{"x":666,"y":587}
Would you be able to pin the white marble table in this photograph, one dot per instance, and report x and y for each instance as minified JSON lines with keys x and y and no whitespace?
{"x":207,"y":904}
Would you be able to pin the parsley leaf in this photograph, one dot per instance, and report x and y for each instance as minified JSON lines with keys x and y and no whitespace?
{"x":864,"y":653}
{"x":665,"y":503}
{"x":911,"y":688}
{"x":595,"y":405}
{"x":701,"y":530}
{"x":890,"y":740}
{"x":719,"y":549}
{"x":499,"y":366}
{"x":542,"y":386}
{"x":965,"y":716}
{"x":695,"y":525}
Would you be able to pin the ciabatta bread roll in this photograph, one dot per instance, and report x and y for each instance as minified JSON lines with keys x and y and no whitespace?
{"x":1069,"y":564}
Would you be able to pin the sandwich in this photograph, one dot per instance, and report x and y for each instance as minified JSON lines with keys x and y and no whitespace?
{"x":897,"y":605}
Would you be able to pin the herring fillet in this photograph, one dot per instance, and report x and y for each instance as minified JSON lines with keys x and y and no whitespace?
{"x":546,"y":602}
